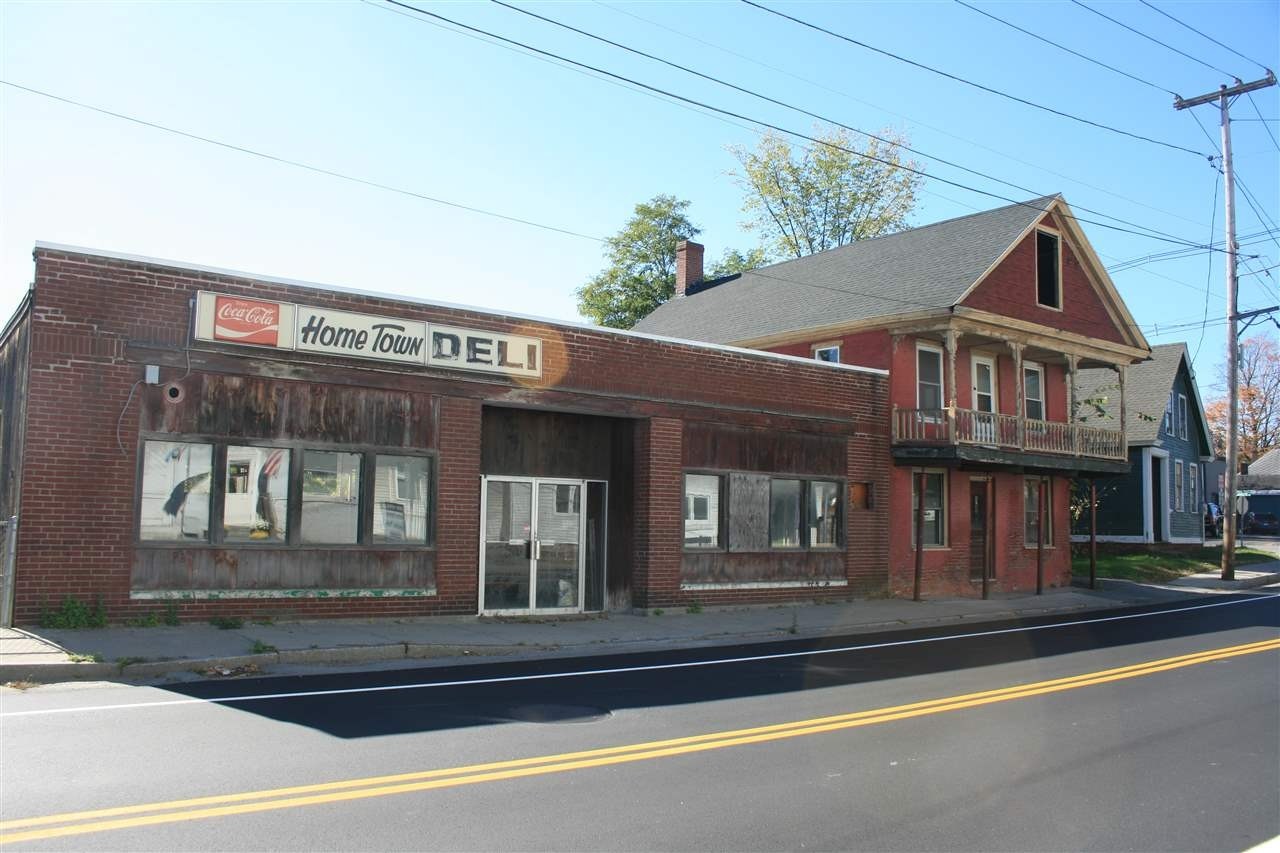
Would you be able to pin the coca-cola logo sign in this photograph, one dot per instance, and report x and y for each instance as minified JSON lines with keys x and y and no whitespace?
{"x":246,"y":321}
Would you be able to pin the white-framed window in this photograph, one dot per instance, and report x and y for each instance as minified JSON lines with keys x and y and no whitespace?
{"x":702,"y":510}
{"x":1168,"y":415}
{"x":1033,"y":390}
{"x":1177,"y":485}
{"x":1031,"y":510}
{"x":984,"y":383}
{"x":935,"y":508}
{"x":829,"y":353}
{"x":1182,"y":416}
{"x":1048,"y":270}
{"x":928,"y":377}
{"x":568,"y":500}
{"x":1193,"y":487}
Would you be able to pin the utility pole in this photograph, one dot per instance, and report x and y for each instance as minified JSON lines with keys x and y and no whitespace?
{"x":1222,"y":96}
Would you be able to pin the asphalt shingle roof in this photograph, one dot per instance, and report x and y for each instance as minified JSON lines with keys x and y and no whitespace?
{"x":1266,"y":464}
{"x":1147,"y":387}
{"x":929,"y":267}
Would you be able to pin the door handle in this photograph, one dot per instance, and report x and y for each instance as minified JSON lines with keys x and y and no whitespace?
{"x":537,"y":549}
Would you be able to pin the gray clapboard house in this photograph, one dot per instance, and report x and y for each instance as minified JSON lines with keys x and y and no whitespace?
{"x":1162,"y":497}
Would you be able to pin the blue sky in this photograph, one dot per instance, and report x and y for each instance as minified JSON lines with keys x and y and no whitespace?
{"x":356,"y":88}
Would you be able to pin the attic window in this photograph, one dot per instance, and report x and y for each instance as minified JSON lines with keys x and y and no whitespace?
{"x":1048,"y":270}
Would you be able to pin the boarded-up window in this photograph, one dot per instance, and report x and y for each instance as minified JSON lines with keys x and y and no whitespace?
{"x":748,"y":512}
{"x":860,"y":496}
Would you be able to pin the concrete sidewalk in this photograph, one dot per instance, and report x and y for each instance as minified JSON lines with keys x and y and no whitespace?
{"x":202,"y":650}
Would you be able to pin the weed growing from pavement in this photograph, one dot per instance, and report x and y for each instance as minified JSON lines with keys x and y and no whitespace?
{"x":74,"y":613}
{"x":657,"y":611}
{"x":79,"y":658}
{"x":261,"y":648}
{"x":171,"y":613}
{"x":121,"y":663}
{"x":226,"y":623}
{"x":21,"y":685}
{"x":151,"y":620}
{"x":695,"y":607}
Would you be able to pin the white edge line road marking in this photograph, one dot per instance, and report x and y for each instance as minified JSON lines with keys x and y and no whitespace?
{"x":619,"y":670}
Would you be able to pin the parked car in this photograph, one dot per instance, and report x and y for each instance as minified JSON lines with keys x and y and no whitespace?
{"x":1213,"y":521}
{"x":1264,"y":523}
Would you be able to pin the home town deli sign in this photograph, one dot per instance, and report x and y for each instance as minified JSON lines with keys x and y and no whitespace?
{"x":303,"y":328}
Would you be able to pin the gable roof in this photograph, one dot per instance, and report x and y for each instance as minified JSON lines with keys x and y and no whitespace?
{"x":1267,"y":463}
{"x":927,"y":269}
{"x":1147,"y":387}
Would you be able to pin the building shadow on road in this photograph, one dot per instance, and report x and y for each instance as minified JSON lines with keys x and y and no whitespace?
{"x":586,"y":688}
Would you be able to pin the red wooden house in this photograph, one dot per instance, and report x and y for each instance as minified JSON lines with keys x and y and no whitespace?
{"x":983,"y":322}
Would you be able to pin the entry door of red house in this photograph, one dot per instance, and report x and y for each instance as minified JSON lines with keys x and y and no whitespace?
{"x":980,"y":534}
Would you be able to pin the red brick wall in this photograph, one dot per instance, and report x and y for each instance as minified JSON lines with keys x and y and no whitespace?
{"x":79,"y":487}
{"x":946,"y":570}
{"x":1010,"y":290}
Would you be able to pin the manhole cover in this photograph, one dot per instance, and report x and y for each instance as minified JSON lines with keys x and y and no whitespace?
{"x":559,"y":713}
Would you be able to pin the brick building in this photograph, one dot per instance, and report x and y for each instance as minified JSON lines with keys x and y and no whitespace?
{"x":247,"y":445}
{"x":983,"y":323}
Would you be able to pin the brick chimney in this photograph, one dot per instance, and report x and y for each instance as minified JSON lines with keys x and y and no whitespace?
{"x":688,"y":265}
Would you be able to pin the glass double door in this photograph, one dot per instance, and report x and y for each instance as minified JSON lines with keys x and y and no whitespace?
{"x":532,"y":535}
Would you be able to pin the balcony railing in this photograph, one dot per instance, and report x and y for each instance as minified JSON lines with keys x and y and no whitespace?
{"x":1007,"y":432}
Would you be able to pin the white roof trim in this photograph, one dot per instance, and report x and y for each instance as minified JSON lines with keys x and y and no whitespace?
{"x":568,"y":324}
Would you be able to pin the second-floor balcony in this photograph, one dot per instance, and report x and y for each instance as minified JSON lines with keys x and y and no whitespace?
{"x":953,"y":427}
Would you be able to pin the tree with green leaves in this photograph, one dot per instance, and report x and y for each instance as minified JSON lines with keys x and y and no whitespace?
{"x":733,"y":261}
{"x":641,"y":271}
{"x":810,"y":200}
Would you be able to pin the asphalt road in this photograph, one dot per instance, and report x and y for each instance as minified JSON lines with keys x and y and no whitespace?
{"x":1157,"y":730}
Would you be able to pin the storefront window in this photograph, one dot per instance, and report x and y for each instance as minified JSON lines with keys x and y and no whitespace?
{"x":701,"y":511}
{"x":256,"y":505}
{"x":401,"y":495}
{"x":934,"y":528}
{"x":784,"y":513}
{"x":175,"y":492}
{"x":824,"y":514}
{"x":330,"y":498}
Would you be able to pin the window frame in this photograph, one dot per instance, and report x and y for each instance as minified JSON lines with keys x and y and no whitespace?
{"x":944,"y":528}
{"x":1028,"y":542}
{"x":1057,"y":237}
{"x":1037,"y":368}
{"x":1182,"y":416}
{"x":922,"y":346}
{"x":721,"y":514}
{"x":1178,"y":485}
{"x":818,"y":349}
{"x":1193,"y":488}
{"x":217,"y":496}
{"x":1168,"y":415}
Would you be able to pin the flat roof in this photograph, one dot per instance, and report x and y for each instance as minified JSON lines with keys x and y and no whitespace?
{"x":413,"y":300}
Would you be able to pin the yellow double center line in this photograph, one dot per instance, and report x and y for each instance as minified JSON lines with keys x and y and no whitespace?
{"x":147,"y":814}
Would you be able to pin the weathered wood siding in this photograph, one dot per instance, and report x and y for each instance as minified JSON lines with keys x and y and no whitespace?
{"x":15,"y":351}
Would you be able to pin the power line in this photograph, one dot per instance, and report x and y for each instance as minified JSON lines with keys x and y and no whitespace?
{"x":785,"y":105}
{"x":1264,"y":122}
{"x":1208,"y":275}
{"x":1204,"y":35}
{"x":299,"y":164}
{"x":1006,"y":155}
{"x":967,"y":82}
{"x":789,"y":132}
{"x":1178,"y":254}
{"x":1075,"y":53}
{"x":1153,"y":39}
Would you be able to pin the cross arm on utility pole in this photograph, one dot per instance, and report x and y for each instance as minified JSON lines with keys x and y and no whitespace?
{"x":1239,"y":88}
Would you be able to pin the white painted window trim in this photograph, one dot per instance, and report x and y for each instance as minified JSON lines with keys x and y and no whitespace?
{"x":1193,"y":490}
{"x":942,"y":375}
{"x":1168,"y":415}
{"x":1038,"y":368}
{"x":820,"y":348}
{"x":1182,"y":416}
{"x":946,"y":500}
{"x":1057,"y":235}
{"x":1178,"y":485}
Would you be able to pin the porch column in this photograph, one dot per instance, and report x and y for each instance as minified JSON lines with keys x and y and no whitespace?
{"x":1072,"y":364}
{"x":1016,"y":349}
{"x":1121,"y":370}
{"x":953,"y":395}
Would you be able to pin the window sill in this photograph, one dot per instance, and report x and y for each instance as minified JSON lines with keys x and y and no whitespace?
{"x":931,"y":547}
